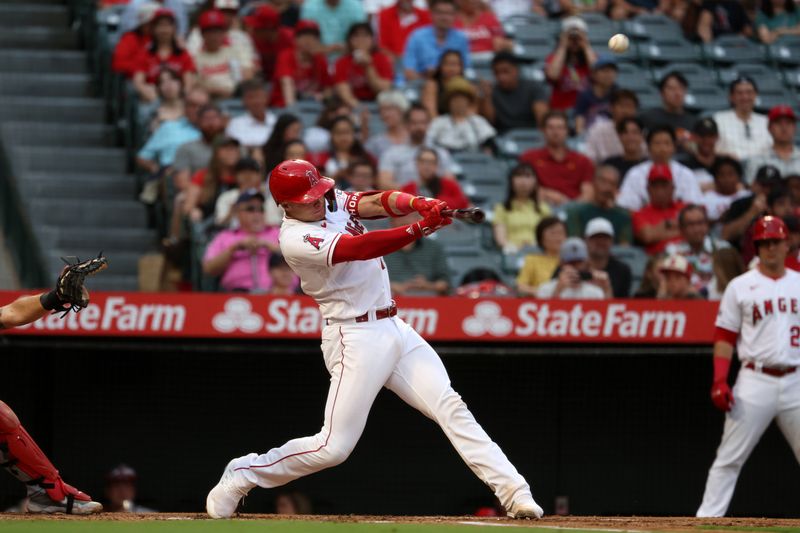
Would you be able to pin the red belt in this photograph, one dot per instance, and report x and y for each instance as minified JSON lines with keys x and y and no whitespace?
{"x":378,"y":314}
{"x":771,"y":371}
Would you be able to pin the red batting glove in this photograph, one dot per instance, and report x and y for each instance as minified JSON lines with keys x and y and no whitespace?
{"x":722,"y":396}
{"x":431,"y":223}
{"x":428,"y":206}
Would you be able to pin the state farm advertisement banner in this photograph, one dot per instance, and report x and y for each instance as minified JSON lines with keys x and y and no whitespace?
{"x":193,"y":315}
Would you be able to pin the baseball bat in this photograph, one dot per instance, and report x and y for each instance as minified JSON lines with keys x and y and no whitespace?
{"x":470,"y":214}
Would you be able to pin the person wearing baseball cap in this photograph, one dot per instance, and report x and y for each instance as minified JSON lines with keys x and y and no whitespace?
{"x":599,"y":237}
{"x":301,"y":71}
{"x":269,"y":36}
{"x":574,"y":279}
{"x":595,"y":100}
{"x":744,"y":211}
{"x":130,"y":18}
{"x":134,"y":43}
{"x":675,"y":279}
{"x":783,"y":154}
{"x":700,"y":160}
{"x":743,"y":133}
{"x":567,"y":68}
{"x":121,"y":491}
{"x":219,"y":65}
{"x":656,"y":224}
{"x":235,"y":37}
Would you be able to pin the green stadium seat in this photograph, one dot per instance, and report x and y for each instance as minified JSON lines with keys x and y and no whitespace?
{"x":734,"y":49}
{"x":706,"y":99}
{"x":480,"y":168}
{"x":696,"y":74}
{"x":785,"y":53}
{"x":673,"y":50}
{"x":769,"y":98}
{"x":514,"y":142}
{"x":652,"y":28}
{"x":632,"y":76}
{"x":765,"y":76}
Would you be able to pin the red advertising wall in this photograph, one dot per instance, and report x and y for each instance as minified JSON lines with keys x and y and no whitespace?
{"x":204,"y":315}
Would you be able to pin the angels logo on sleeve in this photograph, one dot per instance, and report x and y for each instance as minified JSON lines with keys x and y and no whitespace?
{"x":316,"y":242}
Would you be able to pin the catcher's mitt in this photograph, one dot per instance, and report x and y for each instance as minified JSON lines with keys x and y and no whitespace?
{"x":69,"y":286}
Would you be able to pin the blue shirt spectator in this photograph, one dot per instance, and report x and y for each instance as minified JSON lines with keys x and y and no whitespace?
{"x":165,"y":141}
{"x":423,"y":50}
{"x":334,"y":18}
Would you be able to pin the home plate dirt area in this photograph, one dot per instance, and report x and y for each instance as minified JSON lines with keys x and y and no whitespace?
{"x":270,"y":523}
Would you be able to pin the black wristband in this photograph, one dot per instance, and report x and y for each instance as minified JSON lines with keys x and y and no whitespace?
{"x":51,"y":301}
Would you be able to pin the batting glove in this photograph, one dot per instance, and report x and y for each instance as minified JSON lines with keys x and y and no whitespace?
{"x":431,"y":223}
{"x":722,"y":396}
{"x":428,"y":206}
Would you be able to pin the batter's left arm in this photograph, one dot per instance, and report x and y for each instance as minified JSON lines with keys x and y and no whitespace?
{"x":22,"y":311}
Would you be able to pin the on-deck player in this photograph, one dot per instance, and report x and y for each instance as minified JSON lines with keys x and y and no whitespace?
{"x":19,"y":453}
{"x":365,"y":345}
{"x":760,"y":314}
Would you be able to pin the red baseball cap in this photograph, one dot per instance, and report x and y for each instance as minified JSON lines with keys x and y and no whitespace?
{"x":306,"y":26}
{"x":263,"y":18}
{"x":162,"y":12}
{"x":781,"y":111}
{"x":676,"y":263}
{"x":659,"y":171}
{"x":212,"y":19}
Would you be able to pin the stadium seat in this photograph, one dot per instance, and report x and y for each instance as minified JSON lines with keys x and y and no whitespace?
{"x":533,"y":72}
{"x":232,"y":106}
{"x":698,"y":75}
{"x":631,"y":55}
{"x":734,"y":49}
{"x":706,"y":99}
{"x":635,"y":258}
{"x":460,"y":264}
{"x":648,"y":97}
{"x":672,"y":50}
{"x":534,"y":48}
{"x":767,"y":77}
{"x":485,"y":195}
{"x":632,"y":76}
{"x":769,"y":98}
{"x":479,"y":168}
{"x":459,"y":237}
{"x":514,"y":142}
{"x":528,"y":25}
{"x":785,"y":53}
{"x":652,"y":28}
{"x":601,"y":28}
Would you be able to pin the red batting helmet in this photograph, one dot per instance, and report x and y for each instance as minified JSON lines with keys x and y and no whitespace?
{"x":298,"y":182}
{"x":769,"y":227}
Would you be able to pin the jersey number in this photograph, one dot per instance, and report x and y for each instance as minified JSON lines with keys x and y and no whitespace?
{"x":795,"y":336}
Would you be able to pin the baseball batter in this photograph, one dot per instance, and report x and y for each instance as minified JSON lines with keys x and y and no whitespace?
{"x":19,"y":454}
{"x":365,"y":345}
{"x":760,"y":314}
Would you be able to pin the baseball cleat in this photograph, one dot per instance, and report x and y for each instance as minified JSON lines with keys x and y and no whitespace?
{"x":224,"y":498}
{"x":40,"y":503}
{"x":525,"y":511}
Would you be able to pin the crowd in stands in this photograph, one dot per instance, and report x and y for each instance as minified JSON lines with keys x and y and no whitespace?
{"x":406,"y":91}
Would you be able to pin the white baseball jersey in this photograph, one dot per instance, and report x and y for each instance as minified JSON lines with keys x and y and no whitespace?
{"x":766,"y":314}
{"x":342,"y":291}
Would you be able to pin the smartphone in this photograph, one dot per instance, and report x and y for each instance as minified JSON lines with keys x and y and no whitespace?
{"x":585,"y":275}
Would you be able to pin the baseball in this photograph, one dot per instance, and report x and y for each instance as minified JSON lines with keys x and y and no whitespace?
{"x":618,"y":43}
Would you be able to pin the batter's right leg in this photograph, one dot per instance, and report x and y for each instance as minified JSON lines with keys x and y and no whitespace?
{"x":360,"y":359}
{"x":756,"y":397}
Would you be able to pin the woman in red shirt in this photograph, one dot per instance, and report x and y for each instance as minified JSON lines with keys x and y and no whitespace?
{"x":480,"y":25}
{"x":363,"y":71}
{"x":395,"y":24}
{"x":302,"y":71}
{"x":433,"y":186}
{"x":567,"y":68}
{"x":162,"y":52}
{"x":133,"y":43}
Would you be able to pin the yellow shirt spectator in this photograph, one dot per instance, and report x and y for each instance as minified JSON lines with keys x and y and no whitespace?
{"x":537,"y":269}
{"x":520,"y":221}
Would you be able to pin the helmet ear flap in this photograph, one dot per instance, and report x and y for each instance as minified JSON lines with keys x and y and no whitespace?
{"x":330,"y":200}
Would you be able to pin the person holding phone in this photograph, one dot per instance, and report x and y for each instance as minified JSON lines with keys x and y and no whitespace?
{"x":575,"y":279}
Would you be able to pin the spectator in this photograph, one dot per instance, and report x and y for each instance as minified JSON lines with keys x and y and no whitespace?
{"x":599,"y":236}
{"x":484,"y":32}
{"x":295,"y":149}
{"x":195,"y":155}
{"x":505,"y":9}
{"x":293,"y":503}
{"x":538,"y":268}
{"x":248,"y":175}
{"x":625,"y":9}
{"x":793,"y":257}
{"x":777,"y":18}
{"x":652,"y":279}
{"x":634,"y":148}
{"x":396,"y":22}
{"x":157,"y":156}
{"x":742,"y":212}
{"x":567,"y":68}
{"x":163,"y":52}
{"x":512,"y":102}
{"x":783,"y":154}
{"x":208,"y":183}
{"x":238,"y":39}
{"x":656,"y":224}
{"x":288,"y":10}
{"x":482,"y":282}
{"x":254,"y":126}
{"x":450,"y":66}
{"x":701,"y":160}
{"x":515,"y":220}
{"x":779,"y":204}
{"x":675,"y":279}
{"x":722,"y":17}
{"x":287,"y":127}
{"x":302,"y":71}
{"x":727,"y":264}
{"x":134,"y":43}
{"x":743,"y":132}
{"x":426,"y":45}
{"x":318,"y":136}
{"x":601,"y":205}
{"x":269,"y":37}
{"x":169,"y":85}
{"x":419,"y":268}
{"x":661,"y":145}
{"x":432,"y":185}
{"x":461,"y":129}
{"x":345,"y":147}
{"x":564,"y":174}
{"x":219,"y":70}
{"x":121,"y":491}
{"x":697,"y":245}
{"x":334,"y":17}
{"x":595,"y":100}
{"x":360,"y":176}
{"x":602,"y":140}
{"x":392,"y":106}
{"x":130,"y":17}
{"x":673,"y":88}
{"x":363,"y":71}
{"x":575,"y":280}
{"x":240,"y":256}
{"x":793,"y":185}
{"x":397,"y":165}
{"x":728,"y":187}
{"x":284,"y":282}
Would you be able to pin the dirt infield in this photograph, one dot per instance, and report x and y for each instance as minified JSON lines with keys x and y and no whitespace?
{"x":626,"y":523}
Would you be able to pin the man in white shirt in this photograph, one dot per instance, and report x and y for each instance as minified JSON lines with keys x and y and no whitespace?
{"x":576,"y":280}
{"x":661,"y":145}
{"x":742,"y":132}
{"x":783,"y":154}
{"x":253,"y":128}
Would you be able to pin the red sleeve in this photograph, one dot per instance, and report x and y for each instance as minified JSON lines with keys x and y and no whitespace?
{"x":342,"y":69}
{"x":638,"y":222}
{"x":722,"y":334}
{"x":410,"y":188}
{"x":455,"y":196}
{"x":387,"y":35}
{"x":284,"y":65}
{"x":492,"y":24}
{"x":125,"y":54}
{"x":199,"y":177}
{"x":375,"y":243}
{"x":142,"y":62}
{"x":383,"y":65}
{"x":187,"y":63}
{"x":588,"y":174}
{"x":323,"y":74}
{"x":527,"y":157}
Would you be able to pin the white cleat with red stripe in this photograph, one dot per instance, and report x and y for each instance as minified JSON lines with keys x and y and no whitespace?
{"x":224,"y":498}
